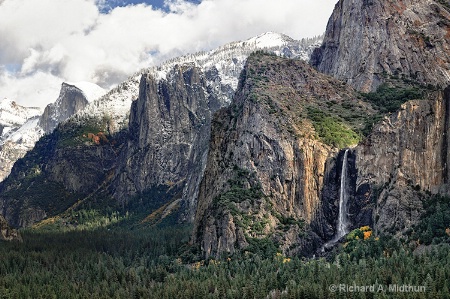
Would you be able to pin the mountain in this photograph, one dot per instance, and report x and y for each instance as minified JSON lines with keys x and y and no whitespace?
{"x":268,"y":165}
{"x":409,"y":40}
{"x":71,"y":100}
{"x":265,"y":189}
{"x":15,"y":120}
{"x":403,"y":49}
{"x":221,"y":67}
{"x":146,"y":138}
{"x":22,"y":126}
{"x":296,"y":179}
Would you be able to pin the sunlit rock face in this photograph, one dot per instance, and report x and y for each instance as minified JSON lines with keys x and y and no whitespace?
{"x":366,"y":41}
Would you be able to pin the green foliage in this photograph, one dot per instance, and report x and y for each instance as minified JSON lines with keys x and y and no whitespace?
{"x":243,"y":186}
{"x":355,"y":234}
{"x":331,"y":130}
{"x":264,"y":247}
{"x":287,"y":222}
{"x":42,"y":193}
{"x":389,"y":99}
{"x":434,"y":226}
{"x":74,"y":133}
{"x":369,"y":123}
{"x":158,"y":263}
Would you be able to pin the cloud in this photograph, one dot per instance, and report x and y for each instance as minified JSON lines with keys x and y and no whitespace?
{"x":50,"y":41}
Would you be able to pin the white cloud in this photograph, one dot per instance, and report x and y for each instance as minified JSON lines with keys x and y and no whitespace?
{"x":69,"y":40}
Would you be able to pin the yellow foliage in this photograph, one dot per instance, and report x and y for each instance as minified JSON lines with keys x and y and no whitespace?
{"x":197,"y":265}
{"x":365,"y":228}
{"x":214,"y":262}
{"x":367,"y":234}
{"x":286,"y":260}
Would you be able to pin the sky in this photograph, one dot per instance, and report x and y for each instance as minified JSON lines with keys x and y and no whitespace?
{"x":44,"y":43}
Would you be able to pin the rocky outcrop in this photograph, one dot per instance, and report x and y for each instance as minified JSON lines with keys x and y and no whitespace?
{"x":64,"y":168}
{"x":369,"y":41}
{"x":169,"y":134}
{"x":405,"y":158}
{"x":7,"y":233}
{"x":163,"y":141}
{"x":266,"y":167}
{"x":71,"y":100}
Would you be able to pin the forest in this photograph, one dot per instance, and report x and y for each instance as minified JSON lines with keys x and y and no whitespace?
{"x":158,"y":262}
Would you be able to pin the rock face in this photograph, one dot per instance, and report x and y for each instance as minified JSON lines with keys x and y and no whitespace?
{"x":266,"y":169}
{"x":7,"y":233}
{"x":64,"y":168}
{"x":368,"y":41}
{"x":406,"y":154}
{"x":21,"y":127}
{"x":169,"y":135}
{"x":71,"y":100}
{"x":405,"y":157}
{"x":221,"y":67}
{"x":160,"y":145}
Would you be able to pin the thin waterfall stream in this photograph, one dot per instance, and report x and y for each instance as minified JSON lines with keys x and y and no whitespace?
{"x":343,"y":222}
{"x":342,"y":226}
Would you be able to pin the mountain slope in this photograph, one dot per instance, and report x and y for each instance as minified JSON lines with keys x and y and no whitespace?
{"x":400,"y":48}
{"x":268,"y":165}
{"x":70,"y":100}
{"x":14,"y":121}
{"x":367,"y":42}
{"x":221,"y":66}
{"x":22,"y":127}
{"x":166,"y":158}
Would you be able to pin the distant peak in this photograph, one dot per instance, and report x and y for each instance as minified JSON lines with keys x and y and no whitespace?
{"x":270,"y":39}
{"x":91,"y":90}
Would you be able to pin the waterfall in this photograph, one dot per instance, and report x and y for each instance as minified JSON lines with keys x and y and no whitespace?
{"x":342,"y":226}
{"x":343,"y":223}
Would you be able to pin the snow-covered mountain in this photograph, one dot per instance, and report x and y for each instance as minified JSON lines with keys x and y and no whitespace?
{"x":71,"y":99}
{"x":15,"y":120}
{"x":221,"y":68}
{"x":21,"y":127}
{"x":13,"y":115}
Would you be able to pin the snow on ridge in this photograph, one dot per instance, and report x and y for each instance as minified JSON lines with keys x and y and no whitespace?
{"x":91,"y":90}
{"x":269,"y":40}
{"x":227,"y":60}
{"x":28,"y":134}
{"x":14,"y":114}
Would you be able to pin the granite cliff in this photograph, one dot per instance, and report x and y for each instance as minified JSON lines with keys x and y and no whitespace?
{"x":169,"y":132}
{"x":403,"y":161}
{"x":367,"y":41}
{"x":399,"y":45}
{"x":21,"y":127}
{"x":71,"y":99}
{"x":399,"y":52}
{"x":269,"y":162}
{"x":153,"y":152}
